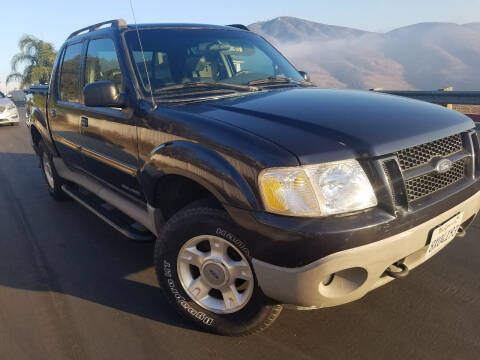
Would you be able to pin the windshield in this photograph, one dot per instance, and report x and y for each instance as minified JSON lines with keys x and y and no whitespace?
{"x":207,"y":56}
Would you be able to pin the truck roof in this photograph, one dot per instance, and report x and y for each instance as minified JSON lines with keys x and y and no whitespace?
{"x":184,"y":25}
{"x":119,"y":24}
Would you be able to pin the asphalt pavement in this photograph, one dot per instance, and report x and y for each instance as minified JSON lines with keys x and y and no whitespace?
{"x":71,"y":287}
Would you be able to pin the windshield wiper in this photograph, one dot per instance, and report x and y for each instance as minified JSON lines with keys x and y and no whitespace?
{"x":279,"y":80}
{"x":215,"y":85}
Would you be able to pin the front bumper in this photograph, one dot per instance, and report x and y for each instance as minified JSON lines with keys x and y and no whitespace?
{"x":357,"y":270}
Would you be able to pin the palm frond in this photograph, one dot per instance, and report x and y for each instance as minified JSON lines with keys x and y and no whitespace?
{"x":20,"y":58}
{"x":37,"y":58}
{"x":14,"y":77}
{"x":26,"y":42}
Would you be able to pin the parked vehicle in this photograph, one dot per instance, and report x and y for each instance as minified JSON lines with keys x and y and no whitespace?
{"x":8,"y":111}
{"x":260,"y":189}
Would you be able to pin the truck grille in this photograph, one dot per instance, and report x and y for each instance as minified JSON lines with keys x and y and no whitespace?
{"x":423,"y":154}
{"x":408,"y":187}
{"x":424,"y":185}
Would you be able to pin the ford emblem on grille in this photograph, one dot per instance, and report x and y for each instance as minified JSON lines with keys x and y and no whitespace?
{"x":443,"y":166}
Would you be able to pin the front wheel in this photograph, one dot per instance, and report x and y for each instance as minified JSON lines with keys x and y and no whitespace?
{"x":205,"y":271}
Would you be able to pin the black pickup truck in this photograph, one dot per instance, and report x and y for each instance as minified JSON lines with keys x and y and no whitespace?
{"x":260,"y":189}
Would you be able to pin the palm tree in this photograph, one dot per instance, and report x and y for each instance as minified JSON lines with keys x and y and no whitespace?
{"x":37,"y":56}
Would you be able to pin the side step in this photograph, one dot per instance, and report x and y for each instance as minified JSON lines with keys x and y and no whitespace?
{"x":144,"y":214}
{"x":113,"y":217}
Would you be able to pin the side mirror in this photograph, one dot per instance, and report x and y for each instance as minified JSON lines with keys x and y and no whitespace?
{"x":305,"y":75}
{"x":103,"y":94}
{"x":9,"y":96}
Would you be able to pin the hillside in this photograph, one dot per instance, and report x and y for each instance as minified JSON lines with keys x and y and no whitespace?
{"x":421,"y":56}
{"x":293,"y":29}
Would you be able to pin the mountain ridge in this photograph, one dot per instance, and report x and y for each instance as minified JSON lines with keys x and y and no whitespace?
{"x":426,"y":55}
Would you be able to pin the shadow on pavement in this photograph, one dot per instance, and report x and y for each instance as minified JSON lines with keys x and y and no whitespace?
{"x":63,"y":248}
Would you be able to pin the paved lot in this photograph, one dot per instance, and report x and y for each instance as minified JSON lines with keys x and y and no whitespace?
{"x":73,"y":288}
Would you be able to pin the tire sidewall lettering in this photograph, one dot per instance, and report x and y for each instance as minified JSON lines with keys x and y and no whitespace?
{"x":233,"y":239}
{"x":258,"y":314}
{"x":181,"y":300}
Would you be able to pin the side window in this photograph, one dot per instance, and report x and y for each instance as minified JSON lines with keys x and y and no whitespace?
{"x":70,"y":75}
{"x":102,"y":63}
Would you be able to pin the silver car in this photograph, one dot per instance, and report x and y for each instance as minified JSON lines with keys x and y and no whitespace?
{"x":8,"y":111}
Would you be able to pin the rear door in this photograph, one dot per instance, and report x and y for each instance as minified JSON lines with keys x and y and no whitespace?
{"x":65,"y":104}
{"x":109,"y":135}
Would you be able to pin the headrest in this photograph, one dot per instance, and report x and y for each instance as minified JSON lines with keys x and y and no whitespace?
{"x":195,"y":63}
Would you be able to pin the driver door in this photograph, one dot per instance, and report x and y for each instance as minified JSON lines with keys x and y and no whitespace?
{"x":109,"y":135}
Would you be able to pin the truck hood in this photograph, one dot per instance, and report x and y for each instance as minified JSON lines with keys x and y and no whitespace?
{"x":320,"y":125}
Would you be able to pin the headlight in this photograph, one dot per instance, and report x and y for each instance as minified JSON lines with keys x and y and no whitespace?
{"x":317,"y":190}
{"x":11,"y":106}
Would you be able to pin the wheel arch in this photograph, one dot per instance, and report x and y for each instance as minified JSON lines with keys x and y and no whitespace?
{"x":36,"y":137}
{"x":199,"y":168}
{"x":39,"y":131}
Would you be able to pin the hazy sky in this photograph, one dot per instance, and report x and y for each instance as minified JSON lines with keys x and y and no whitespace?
{"x":53,"y":20}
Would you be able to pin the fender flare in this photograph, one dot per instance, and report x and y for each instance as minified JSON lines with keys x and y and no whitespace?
{"x":38,"y":122}
{"x":37,"y":117}
{"x":201,"y":165}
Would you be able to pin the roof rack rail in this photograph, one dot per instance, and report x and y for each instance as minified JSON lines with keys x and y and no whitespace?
{"x":239,"y":26}
{"x":117,"y":23}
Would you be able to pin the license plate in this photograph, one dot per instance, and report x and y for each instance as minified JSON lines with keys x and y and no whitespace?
{"x":443,"y":234}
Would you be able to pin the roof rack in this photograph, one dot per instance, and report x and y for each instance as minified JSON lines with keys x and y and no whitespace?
{"x":117,"y":23}
{"x":239,"y":26}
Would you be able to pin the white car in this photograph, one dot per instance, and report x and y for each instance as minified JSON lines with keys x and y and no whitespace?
{"x":8,"y":111}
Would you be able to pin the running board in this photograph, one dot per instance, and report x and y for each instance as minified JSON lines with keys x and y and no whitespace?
{"x":145,"y":215}
{"x":108,"y":214}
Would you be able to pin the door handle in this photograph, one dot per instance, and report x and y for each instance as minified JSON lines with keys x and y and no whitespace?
{"x":84,"y":122}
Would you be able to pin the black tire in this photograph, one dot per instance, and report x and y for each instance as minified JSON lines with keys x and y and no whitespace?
{"x":56,"y":190}
{"x":257,"y":315}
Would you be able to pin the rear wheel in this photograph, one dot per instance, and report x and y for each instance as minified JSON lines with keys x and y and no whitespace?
{"x":206,"y":273}
{"x":53,"y":180}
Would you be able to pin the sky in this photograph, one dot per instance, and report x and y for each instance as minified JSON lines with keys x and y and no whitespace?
{"x":54,"y":20}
